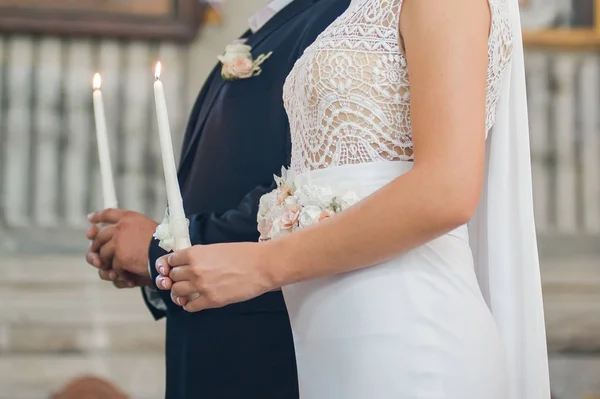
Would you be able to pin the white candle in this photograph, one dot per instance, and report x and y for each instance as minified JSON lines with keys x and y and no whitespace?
{"x":177,"y":220}
{"x":108,"y":185}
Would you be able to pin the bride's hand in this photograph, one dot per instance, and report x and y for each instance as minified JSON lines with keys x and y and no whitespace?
{"x":218,"y":275}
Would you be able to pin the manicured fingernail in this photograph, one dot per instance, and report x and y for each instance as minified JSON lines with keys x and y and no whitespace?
{"x":163,"y":282}
{"x":90,"y":216}
{"x":161,"y":269}
{"x":179,"y":301}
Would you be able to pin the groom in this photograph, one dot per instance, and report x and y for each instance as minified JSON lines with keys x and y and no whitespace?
{"x":236,"y":139}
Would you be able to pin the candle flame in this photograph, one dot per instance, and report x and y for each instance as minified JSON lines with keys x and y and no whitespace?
{"x":97,"y":83}
{"x":157,"y":70}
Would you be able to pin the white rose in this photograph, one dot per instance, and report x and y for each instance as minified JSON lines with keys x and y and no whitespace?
{"x":238,"y":47}
{"x":290,"y":202}
{"x":262,"y":211}
{"x":266,"y":202}
{"x":166,"y":240}
{"x":235,"y":51}
{"x":309,"y":216}
{"x":276,"y":212}
{"x":162,"y":231}
{"x":167,"y":244}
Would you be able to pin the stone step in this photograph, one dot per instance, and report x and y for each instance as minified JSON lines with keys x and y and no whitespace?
{"x":58,"y":304}
{"x":572,"y":303}
{"x":36,"y":338}
{"x":560,"y":273}
{"x":141,"y":376}
{"x":38,"y":376}
{"x":573,"y":324}
{"x":47,"y":269}
{"x":575,"y":376}
{"x":70,"y":303}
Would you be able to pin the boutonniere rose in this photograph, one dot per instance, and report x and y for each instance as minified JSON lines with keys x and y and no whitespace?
{"x":238,"y":62}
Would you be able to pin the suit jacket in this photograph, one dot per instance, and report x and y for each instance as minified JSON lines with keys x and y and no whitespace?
{"x":236,"y":140}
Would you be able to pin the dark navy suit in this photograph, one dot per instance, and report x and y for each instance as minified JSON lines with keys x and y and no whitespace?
{"x":236,"y":139}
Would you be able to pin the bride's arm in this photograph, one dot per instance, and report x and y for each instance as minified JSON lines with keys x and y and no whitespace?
{"x":446,"y":49}
{"x":446,"y":46}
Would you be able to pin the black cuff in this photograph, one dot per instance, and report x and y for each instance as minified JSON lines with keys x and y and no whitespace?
{"x":156,"y":312}
{"x":154,"y":252}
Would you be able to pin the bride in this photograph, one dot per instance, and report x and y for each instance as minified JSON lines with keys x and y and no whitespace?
{"x":403,"y":233}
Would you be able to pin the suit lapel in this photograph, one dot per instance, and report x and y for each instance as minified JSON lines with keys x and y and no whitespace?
{"x":289,"y":12}
{"x":191,"y":125}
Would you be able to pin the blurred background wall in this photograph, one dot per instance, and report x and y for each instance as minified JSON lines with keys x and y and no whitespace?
{"x":58,"y":321}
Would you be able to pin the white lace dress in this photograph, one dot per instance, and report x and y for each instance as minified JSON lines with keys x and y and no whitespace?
{"x":413,"y":327}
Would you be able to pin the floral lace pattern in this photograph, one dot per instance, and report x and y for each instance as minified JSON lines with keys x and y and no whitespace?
{"x":348,"y":96}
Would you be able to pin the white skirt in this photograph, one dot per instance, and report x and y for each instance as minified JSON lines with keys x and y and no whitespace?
{"x":414,"y":327}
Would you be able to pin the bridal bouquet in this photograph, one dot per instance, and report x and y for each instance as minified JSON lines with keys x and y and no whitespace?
{"x":294,"y":205}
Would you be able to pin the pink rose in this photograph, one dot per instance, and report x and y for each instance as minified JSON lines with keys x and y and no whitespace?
{"x":290,"y":218}
{"x":239,"y":68}
{"x":326,"y":214}
{"x":282,"y":194}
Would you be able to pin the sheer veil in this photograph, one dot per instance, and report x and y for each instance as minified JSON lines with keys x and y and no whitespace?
{"x":502,"y":234}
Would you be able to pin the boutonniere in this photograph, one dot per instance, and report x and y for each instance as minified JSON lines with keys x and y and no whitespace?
{"x":238,"y":62}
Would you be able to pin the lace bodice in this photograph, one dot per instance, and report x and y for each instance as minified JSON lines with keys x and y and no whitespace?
{"x":347,"y":97}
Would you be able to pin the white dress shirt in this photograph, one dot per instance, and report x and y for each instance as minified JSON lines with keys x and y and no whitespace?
{"x":262,"y":16}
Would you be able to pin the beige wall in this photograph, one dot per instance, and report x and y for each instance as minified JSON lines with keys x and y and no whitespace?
{"x":57,"y":320}
{"x":48,"y":161}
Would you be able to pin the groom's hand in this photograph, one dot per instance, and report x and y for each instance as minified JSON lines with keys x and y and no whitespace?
{"x":121,"y":245}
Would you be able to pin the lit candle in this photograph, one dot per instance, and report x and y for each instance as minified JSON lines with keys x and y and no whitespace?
{"x":108,"y":185}
{"x":176,"y":222}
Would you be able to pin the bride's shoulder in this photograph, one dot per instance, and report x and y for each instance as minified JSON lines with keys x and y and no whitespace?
{"x":493,"y":15}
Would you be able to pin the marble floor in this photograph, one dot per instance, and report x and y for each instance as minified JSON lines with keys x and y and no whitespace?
{"x":58,"y":322}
